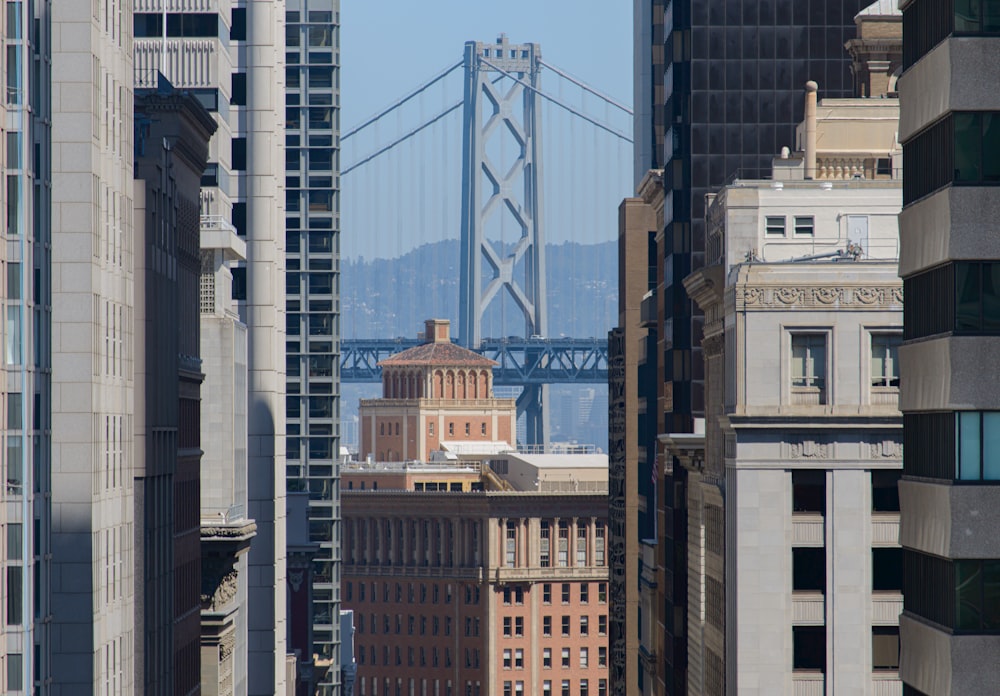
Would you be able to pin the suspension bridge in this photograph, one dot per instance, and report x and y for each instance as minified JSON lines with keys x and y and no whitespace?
{"x":529,"y":276}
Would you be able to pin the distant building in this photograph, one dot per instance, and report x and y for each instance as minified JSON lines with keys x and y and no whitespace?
{"x":434,"y":394}
{"x":482,"y":571}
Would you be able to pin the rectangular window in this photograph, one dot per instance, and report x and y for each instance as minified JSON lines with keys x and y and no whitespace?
{"x":563,"y":544}
{"x":565,"y":626}
{"x":809,"y":648}
{"x":602,"y":657}
{"x":565,"y":657}
{"x":978,"y":445}
{"x":565,"y":687}
{"x":519,"y":659}
{"x":507,"y":623}
{"x":546,"y":625}
{"x":977,"y":595}
{"x":547,"y":658}
{"x":809,"y":491}
{"x":774,"y":225}
{"x":804,"y":224}
{"x":599,"y":532}
{"x":507,"y":661}
{"x":511,"y":544}
{"x":519,"y":626}
{"x":885,"y":647}
{"x":547,"y":593}
{"x":809,"y":367}
{"x":15,"y":665}
{"x":14,"y":590}
{"x":809,"y":569}
{"x":544,"y":551}
{"x":887,"y":570}
{"x":584,"y":657}
{"x":602,"y":625}
{"x":565,"y":593}
{"x":885,"y":359}
{"x":584,"y":592}
{"x":885,"y":492}
{"x":14,"y":420}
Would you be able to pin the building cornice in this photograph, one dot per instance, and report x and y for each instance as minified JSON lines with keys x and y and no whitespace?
{"x":861,"y":297}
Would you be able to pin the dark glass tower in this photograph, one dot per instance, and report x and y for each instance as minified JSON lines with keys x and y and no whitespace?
{"x":733,"y":84}
{"x":312,"y":190}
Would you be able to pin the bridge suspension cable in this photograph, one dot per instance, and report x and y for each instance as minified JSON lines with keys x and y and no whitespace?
{"x":557,"y":102}
{"x":399,"y":102}
{"x":586,"y":87}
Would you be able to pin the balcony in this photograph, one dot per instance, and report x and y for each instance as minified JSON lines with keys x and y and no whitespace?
{"x":885,"y":529}
{"x":807,"y":529}
{"x":886,"y":608}
{"x":808,"y":684}
{"x":808,"y":609}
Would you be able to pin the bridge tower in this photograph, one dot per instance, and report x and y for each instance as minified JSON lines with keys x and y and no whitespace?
{"x":490,"y":107}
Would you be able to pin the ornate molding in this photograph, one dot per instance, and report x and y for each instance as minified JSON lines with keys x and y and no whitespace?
{"x":819,"y":297}
{"x":810,"y":449}
{"x":885,"y":449}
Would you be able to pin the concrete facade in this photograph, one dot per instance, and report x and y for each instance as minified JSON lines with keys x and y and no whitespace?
{"x":787,"y":524}
{"x":94,"y":454}
{"x":950,"y":488}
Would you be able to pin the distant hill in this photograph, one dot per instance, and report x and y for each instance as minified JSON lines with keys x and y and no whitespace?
{"x":385,"y":298}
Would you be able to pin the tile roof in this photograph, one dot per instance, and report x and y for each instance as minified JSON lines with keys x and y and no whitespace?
{"x":439,"y":353}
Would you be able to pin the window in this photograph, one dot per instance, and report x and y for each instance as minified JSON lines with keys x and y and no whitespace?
{"x":507,"y":627}
{"x":519,"y":626}
{"x":599,"y":531}
{"x":547,"y":593}
{"x":239,"y":97}
{"x":887,"y":570}
{"x":546,"y":625}
{"x":885,"y":647}
{"x":581,"y":545}
{"x":885,"y":359}
{"x":238,"y":32}
{"x":545,"y":545}
{"x":976,"y":136}
{"x":584,"y":657}
{"x":978,"y":445}
{"x":239,"y":154}
{"x":977,"y":297}
{"x":563,"y":544}
{"x":809,"y":569}
{"x":519,"y":659}
{"x":885,"y":493}
{"x":511,"y":548}
{"x":977,"y":587}
{"x":547,"y":658}
{"x":809,"y":648}
{"x":451,"y":428}
{"x":809,"y":491}
{"x":584,"y":625}
{"x":506,"y":596}
{"x":584,"y":592}
{"x":565,"y":687}
{"x":565,"y":657}
{"x":602,"y":687}
{"x":507,"y":660}
{"x":602,"y":592}
{"x":602,"y":657}
{"x":602,"y":625}
{"x":804,"y":224}
{"x":774,"y":224}
{"x":565,"y":593}
{"x":809,"y":366}
{"x":546,"y":688}
{"x":508,"y":689}
{"x":14,"y":588}
{"x":565,"y":626}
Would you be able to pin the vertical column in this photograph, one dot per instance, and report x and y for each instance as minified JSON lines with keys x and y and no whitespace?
{"x":265,"y":323}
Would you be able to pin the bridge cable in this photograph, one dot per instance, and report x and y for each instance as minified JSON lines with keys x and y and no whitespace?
{"x":559,"y":103}
{"x":586,"y":87}
{"x":399,"y":102}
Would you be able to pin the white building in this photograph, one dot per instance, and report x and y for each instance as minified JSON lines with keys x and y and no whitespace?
{"x":794,"y":568}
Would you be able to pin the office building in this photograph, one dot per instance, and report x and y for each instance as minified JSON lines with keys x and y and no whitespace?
{"x":632,"y":468}
{"x":93,"y":641}
{"x":172,"y":131}
{"x":950,"y":130}
{"x":232,"y":58}
{"x":312,"y":284}
{"x":479,"y":592}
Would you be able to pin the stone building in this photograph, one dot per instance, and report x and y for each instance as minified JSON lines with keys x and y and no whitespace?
{"x":434,"y":395}
{"x":794,"y":580}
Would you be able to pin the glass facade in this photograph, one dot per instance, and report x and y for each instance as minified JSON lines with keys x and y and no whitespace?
{"x":312,"y":286}
{"x":25,"y":391}
{"x":735,"y":80}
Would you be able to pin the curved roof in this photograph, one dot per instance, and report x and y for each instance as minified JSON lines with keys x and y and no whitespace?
{"x":881,"y":8}
{"x":438,"y":353}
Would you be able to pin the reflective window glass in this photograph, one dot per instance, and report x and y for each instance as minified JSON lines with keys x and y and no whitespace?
{"x":968,"y":445}
{"x":968,"y":147}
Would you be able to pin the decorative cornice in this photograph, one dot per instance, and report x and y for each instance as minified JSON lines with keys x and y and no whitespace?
{"x":879,"y":297}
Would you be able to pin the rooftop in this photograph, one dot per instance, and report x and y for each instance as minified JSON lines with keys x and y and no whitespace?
{"x":881,"y":8}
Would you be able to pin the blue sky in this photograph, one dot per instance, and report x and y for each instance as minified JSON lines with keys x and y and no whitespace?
{"x":391,"y":46}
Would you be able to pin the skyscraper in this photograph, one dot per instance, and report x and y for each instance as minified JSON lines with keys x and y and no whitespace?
{"x":733,"y":77}
{"x":312,"y":282}
{"x":950,"y":263}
